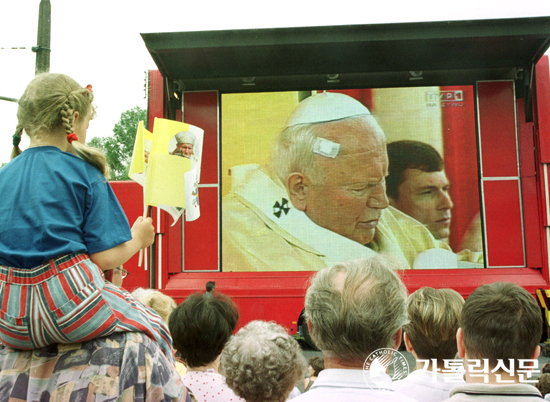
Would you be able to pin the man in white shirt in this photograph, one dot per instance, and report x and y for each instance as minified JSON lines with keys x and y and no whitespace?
{"x":355,"y":311}
{"x":499,"y":334}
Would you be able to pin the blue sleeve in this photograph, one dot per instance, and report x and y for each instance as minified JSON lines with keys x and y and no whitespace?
{"x":105,"y":224}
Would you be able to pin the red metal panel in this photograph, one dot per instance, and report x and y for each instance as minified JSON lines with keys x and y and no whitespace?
{"x":503,"y":223}
{"x":460,"y":156}
{"x":497,"y":128}
{"x":526,"y":142}
{"x":280,"y":296}
{"x":201,"y":109}
{"x":172,"y":244}
{"x":130,"y":196}
{"x":201,"y":236}
{"x":260,"y":295}
{"x":156,"y":100}
{"x":542,"y":186}
{"x":542,"y":108}
{"x":531,"y":221}
{"x":531,"y":204}
{"x":465,"y":281}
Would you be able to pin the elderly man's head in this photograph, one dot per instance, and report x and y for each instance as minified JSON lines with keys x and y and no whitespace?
{"x":185,"y":141}
{"x":332,"y":158}
{"x":262,"y":362}
{"x":357,"y":307}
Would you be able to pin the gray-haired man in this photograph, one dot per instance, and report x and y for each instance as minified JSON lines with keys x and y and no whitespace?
{"x":355,"y":311}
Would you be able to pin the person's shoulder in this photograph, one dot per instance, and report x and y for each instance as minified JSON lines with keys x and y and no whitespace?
{"x":423,"y":386}
{"x":494,"y":392}
{"x":402,"y":226}
{"x":89,"y":172}
{"x":342,"y":394}
{"x":70,"y":164}
{"x":395,"y":215}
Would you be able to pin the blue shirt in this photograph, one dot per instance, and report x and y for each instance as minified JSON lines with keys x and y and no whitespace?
{"x":52,"y":203}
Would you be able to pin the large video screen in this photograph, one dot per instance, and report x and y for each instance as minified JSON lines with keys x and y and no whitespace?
{"x":404,"y":181}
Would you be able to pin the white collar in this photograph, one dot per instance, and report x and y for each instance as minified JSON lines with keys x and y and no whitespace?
{"x":353,"y":378}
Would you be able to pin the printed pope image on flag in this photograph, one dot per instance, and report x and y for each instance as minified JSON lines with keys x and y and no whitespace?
{"x":167,"y":163}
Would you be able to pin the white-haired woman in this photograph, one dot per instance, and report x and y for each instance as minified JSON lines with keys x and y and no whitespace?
{"x":262,"y":362}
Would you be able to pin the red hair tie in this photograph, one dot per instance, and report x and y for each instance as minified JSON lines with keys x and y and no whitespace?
{"x":72,"y":137}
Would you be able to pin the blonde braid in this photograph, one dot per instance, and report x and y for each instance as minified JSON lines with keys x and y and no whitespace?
{"x":48,"y":103}
{"x":67,"y":117}
{"x":89,"y":154}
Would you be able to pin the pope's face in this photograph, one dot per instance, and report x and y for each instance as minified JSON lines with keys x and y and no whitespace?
{"x":425,"y":197}
{"x":347,"y":194}
{"x":186,"y":149}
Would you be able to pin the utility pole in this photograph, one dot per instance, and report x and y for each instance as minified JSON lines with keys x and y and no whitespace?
{"x":42,"y":48}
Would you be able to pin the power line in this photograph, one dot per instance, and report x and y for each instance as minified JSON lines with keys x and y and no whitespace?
{"x":8,"y":99}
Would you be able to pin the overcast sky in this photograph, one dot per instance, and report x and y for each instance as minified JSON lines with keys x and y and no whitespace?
{"x":99,"y":43}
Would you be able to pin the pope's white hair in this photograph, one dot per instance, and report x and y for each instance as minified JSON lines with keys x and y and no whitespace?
{"x":292,"y":150}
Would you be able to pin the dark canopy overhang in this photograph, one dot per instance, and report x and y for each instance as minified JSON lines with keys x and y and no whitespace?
{"x":405,"y":54}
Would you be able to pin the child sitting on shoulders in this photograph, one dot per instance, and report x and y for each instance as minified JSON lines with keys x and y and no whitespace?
{"x":61,"y":226}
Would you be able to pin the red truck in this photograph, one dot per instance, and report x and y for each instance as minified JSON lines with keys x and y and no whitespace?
{"x":478,"y":91}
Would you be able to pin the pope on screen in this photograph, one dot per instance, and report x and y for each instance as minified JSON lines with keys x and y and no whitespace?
{"x":321,"y":199}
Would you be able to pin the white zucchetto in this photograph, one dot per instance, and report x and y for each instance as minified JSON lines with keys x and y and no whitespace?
{"x":325,"y":107}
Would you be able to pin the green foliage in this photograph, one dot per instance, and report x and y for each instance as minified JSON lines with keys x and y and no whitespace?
{"x":118,"y":148}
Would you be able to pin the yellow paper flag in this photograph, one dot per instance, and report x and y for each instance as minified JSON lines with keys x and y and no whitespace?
{"x":165,"y":181}
{"x":142,"y":144}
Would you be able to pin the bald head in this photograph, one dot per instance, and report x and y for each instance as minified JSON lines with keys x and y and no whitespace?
{"x":356,"y":307}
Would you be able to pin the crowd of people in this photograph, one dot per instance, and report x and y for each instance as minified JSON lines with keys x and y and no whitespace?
{"x":70,"y":332}
{"x":353,"y":310}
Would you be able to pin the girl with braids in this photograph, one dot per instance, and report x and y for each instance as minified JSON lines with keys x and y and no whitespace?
{"x":61,"y":226}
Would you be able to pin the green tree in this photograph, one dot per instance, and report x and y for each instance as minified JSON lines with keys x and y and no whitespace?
{"x":118,"y":148}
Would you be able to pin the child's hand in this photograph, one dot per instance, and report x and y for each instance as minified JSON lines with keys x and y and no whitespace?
{"x":143,"y":231}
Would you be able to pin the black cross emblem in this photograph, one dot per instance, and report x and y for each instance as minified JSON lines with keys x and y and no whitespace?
{"x":281,"y":207}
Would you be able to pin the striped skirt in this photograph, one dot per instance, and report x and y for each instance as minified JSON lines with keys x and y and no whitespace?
{"x":68,"y":300}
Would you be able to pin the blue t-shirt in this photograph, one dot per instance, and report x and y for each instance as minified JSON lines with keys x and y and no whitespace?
{"x":52,"y":203}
